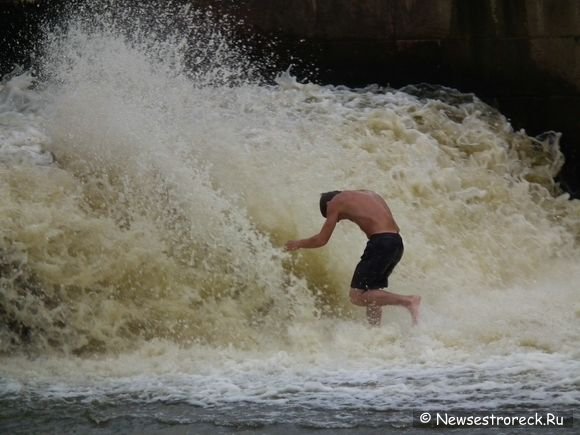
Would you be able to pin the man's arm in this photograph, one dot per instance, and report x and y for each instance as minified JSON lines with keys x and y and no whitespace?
{"x":319,"y":239}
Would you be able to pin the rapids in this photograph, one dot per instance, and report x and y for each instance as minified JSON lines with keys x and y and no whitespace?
{"x":148,"y":182}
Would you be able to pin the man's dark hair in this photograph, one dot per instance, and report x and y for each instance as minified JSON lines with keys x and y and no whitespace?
{"x":324,"y":198}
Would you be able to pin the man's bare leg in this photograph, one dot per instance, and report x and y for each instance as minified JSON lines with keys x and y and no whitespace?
{"x":379,"y":298}
{"x":374,"y":314}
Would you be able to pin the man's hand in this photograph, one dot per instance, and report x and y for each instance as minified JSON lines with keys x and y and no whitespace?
{"x":293,"y":245}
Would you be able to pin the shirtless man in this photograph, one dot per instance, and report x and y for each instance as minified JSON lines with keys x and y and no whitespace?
{"x":383,"y":251}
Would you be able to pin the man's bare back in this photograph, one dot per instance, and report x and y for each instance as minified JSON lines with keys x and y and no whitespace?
{"x":366,"y":209}
{"x":384,"y":249}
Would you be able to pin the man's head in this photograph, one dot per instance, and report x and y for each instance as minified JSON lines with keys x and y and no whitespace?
{"x":324,"y":198}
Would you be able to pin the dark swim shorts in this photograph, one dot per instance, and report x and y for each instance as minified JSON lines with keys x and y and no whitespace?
{"x":383,"y":252}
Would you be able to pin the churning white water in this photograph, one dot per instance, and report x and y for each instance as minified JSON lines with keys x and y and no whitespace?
{"x":145,"y":264}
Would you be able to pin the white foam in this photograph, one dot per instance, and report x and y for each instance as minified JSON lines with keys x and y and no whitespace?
{"x":21,"y":135}
{"x":148,"y":265}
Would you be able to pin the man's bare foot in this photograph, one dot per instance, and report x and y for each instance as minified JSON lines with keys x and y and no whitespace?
{"x":414,"y":308}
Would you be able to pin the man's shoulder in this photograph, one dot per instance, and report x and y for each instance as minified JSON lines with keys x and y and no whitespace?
{"x":344,"y":196}
{"x":346,"y":200}
{"x":354,"y":194}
